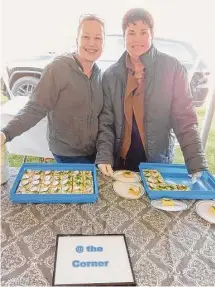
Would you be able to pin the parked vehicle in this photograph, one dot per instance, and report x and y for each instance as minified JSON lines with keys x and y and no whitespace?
{"x":24,"y":74}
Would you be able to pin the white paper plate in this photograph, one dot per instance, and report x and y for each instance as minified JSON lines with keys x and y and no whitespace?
{"x":119,"y":175}
{"x":202,"y":209}
{"x":178,"y":205}
{"x":122,"y":189}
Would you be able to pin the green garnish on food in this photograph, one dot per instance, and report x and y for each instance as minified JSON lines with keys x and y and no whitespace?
{"x":155,"y":181}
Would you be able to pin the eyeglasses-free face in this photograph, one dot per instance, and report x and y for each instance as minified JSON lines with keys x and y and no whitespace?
{"x":138,"y":38}
{"x":90,"y":39}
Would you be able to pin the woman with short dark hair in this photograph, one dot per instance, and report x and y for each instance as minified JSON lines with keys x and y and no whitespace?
{"x":146,"y":97}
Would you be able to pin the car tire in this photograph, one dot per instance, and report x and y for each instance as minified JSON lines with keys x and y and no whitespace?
{"x":24,"y":86}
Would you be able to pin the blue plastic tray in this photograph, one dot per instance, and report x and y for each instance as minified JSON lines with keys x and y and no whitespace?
{"x":204,"y":188}
{"x":54,"y":198}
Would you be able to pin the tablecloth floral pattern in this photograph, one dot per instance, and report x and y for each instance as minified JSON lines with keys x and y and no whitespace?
{"x":166,"y":249}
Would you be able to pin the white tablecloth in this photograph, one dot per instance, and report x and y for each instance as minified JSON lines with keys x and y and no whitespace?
{"x":30,"y":143}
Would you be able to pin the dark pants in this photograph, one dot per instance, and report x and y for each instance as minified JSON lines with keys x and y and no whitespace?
{"x":74,"y":159}
{"x":129,"y":164}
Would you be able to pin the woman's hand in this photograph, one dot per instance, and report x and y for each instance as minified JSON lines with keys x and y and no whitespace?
{"x":2,"y":139}
{"x":106,"y":169}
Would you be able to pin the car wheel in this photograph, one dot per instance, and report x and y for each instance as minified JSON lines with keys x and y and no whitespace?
{"x":24,"y":86}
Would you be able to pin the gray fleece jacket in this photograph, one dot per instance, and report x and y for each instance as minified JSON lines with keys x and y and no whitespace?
{"x":71,"y":101}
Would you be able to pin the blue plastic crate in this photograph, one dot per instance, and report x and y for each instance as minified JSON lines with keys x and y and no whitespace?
{"x":204,"y":188}
{"x":54,"y":198}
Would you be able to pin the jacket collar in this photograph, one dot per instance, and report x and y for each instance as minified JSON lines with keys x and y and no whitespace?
{"x":147,"y":59}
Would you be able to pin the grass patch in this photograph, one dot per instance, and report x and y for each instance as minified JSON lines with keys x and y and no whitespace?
{"x":3,"y":99}
{"x":17,"y":160}
{"x":210,"y":147}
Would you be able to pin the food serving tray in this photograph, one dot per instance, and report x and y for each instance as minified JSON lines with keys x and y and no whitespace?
{"x":55,"y":183}
{"x":177,"y":175}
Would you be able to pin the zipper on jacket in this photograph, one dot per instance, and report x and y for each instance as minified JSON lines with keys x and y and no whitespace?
{"x":89,"y":82}
{"x":91,"y":105}
{"x":145,"y":124}
{"x":123,"y":122}
{"x":89,"y":115}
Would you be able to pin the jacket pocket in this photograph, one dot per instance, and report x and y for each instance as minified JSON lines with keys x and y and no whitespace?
{"x":74,"y":134}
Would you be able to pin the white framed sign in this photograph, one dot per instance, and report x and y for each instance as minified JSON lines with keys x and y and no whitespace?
{"x":92,"y":260}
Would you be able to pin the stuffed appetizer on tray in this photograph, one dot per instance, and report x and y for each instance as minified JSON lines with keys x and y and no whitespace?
{"x":56,"y":181}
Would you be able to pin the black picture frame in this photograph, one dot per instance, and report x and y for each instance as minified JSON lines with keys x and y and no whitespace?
{"x":133,"y":283}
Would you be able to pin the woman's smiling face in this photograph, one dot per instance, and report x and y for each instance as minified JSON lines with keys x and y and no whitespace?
{"x":90,"y":40}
